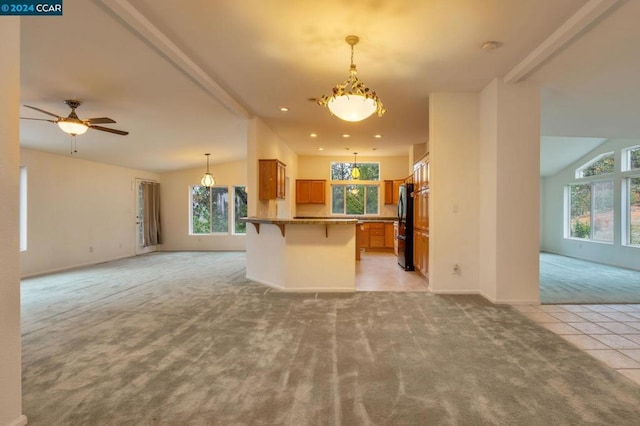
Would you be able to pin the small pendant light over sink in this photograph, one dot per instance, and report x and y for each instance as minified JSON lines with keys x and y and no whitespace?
{"x":355,"y":170}
{"x":352,"y":100}
{"x":208,"y":179}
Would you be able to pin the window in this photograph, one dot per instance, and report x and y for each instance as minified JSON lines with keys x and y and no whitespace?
{"x":631,"y":158}
{"x":591,"y":211}
{"x":633,"y":185}
{"x":239,"y":209}
{"x":342,"y":171}
{"x":209,"y":210}
{"x":355,"y":197}
{"x":602,"y":164}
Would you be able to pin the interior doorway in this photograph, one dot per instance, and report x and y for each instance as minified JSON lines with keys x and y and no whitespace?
{"x":143,"y":243}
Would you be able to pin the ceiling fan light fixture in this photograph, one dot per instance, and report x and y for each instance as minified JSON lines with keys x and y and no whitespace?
{"x":72,"y":127}
{"x":208,"y":180}
{"x":352,"y":100}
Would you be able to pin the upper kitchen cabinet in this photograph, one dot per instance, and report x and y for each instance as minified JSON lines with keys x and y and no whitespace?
{"x":421,"y":174}
{"x":391,"y":191}
{"x":271,"y":182}
{"x":310,"y":191}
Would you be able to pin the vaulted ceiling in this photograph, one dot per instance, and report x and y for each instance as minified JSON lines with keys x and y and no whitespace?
{"x":184,"y":77}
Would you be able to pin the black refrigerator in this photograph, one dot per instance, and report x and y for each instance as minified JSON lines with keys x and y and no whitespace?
{"x":405,"y":227}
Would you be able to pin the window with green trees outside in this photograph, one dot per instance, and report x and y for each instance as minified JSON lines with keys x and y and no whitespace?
{"x":209,"y":210}
{"x":351,"y":196}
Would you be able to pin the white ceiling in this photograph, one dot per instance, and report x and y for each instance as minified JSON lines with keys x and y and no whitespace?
{"x":183,"y":77}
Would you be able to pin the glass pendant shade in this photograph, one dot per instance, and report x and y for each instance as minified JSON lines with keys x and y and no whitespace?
{"x":352,"y":107}
{"x":355,"y":170}
{"x":208,"y":180}
{"x":73,"y":127}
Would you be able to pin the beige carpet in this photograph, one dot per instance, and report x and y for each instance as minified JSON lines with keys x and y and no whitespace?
{"x":184,"y":339}
{"x":566,"y":280}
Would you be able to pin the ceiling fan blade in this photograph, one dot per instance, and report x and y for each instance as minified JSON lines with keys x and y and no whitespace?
{"x":38,"y":119}
{"x":106,"y":129}
{"x":45,"y":112}
{"x":100,"y":120}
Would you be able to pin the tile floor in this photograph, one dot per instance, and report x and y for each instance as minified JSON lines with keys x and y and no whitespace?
{"x":610,"y":333}
{"x":379,"y":271}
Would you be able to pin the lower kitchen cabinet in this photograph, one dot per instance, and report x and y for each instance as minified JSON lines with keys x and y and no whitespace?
{"x":378,"y":236}
{"x":421,"y":252}
{"x":362,"y":235}
{"x":389,"y":235}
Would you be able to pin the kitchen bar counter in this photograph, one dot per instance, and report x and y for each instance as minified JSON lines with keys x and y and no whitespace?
{"x":302,"y":254}
{"x":280,"y":223}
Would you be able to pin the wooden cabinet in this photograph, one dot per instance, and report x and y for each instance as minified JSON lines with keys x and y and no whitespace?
{"x":421,"y":252}
{"x":362,"y":235}
{"x":395,"y":238}
{"x":421,"y":216}
{"x":310,"y":191}
{"x":389,"y":235}
{"x":272,"y":179}
{"x":391,"y":191}
{"x":421,"y":209}
{"x":376,"y":235}
{"x":421,"y":174}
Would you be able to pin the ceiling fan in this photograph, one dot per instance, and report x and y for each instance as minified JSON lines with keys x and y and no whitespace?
{"x":72,"y":124}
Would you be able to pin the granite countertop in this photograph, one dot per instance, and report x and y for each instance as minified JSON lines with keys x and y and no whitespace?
{"x":360,"y":219}
{"x":301,"y":220}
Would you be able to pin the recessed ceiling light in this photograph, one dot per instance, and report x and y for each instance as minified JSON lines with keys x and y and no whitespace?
{"x":346,"y":136}
{"x":284,"y":109}
{"x":491,"y":45}
{"x":313,"y":135}
{"x":320,"y":148}
{"x":377,"y":136}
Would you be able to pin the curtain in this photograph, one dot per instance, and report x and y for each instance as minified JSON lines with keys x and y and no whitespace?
{"x":151,"y":214}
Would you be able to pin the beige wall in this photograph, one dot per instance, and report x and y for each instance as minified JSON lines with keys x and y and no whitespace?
{"x":319,"y":167}
{"x":263,"y":143}
{"x":10,"y":347}
{"x":174,"y":201}
{"x":484,"y":153}
{"x":79,"y":212}
{"x":453,"y":216}
{"x":488,"y":179}
{"x":509,"y":171}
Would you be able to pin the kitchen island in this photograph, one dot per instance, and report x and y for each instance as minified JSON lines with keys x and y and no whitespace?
{"x":306,"y":254}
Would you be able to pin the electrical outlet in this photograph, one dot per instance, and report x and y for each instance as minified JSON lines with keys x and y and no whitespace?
{"x":90,"y":249}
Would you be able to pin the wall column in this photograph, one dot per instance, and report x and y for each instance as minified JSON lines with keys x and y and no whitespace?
{"x":453,"y":203}
{"x":509,"y":177}
{"x":10,"y":341}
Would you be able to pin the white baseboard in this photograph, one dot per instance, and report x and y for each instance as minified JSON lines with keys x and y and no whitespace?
{"x":489,"y":298}
{"x":454,"y":291}
{"x":510,"y":301}
{"x":20,"y":421}
{"x":79,"y":265}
